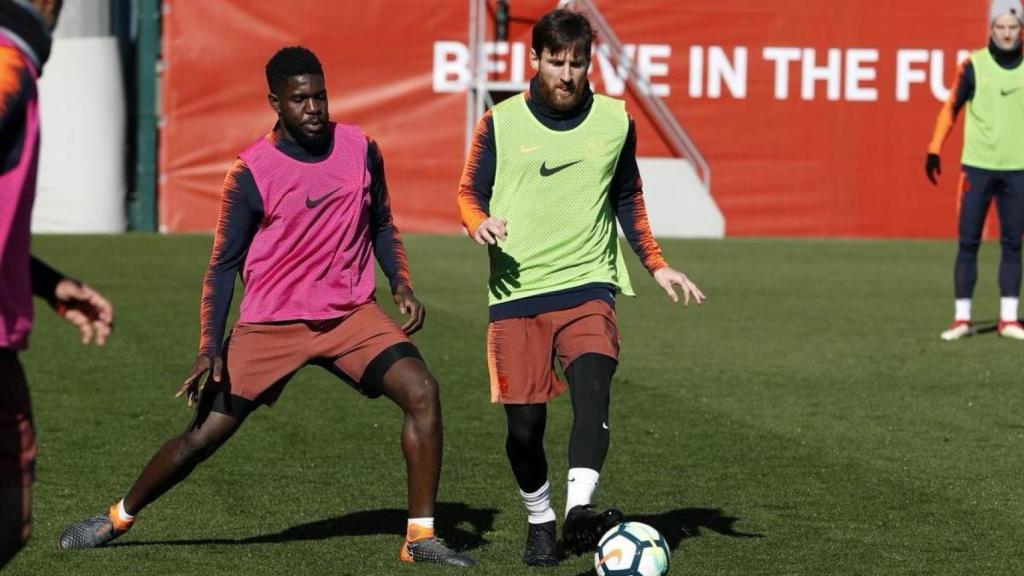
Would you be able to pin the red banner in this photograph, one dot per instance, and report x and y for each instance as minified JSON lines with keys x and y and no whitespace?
{"x":814,"y":116}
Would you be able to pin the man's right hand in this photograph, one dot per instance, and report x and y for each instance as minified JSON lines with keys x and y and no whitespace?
{"x":490,"y":231}
{"x":933,"y":168}
{"x":193,"y":385}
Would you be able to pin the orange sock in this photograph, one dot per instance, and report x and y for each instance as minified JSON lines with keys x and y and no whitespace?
{"x":120,"y":524}
{"x":414,"y":532}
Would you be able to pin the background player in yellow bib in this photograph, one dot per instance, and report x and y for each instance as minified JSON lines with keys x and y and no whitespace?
{"x":991,"y":85}
{"x":548,"y":174}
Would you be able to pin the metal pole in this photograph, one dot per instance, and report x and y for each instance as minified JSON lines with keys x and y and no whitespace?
{"x":142,"y":207}
{"x":501,"y":21}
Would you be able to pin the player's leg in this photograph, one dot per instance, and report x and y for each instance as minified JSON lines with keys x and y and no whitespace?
{"x":15,"y":521}
{"x":975,"y":197}
{"x":590,"y":379}
{"x":1010,"y":204}
{"x":522,"y":378}
{"x":179,"y":456}
{"x":524,"y":446}
{"x":17,"y":458}
{"x":259,"y":358}
{"x":409,"y":385}
{"x":171,"y":464}
{"x":370,"y":351}
{"x":587,"y":343}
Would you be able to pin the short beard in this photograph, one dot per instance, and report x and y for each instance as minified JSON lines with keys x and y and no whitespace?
{"x":315,"y":145}
{"x":548,"y":100}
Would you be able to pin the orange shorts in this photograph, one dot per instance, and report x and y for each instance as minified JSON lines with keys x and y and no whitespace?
{"x":262,"y":358}
{"x":17,"y":436}
{"x":521,"y":351}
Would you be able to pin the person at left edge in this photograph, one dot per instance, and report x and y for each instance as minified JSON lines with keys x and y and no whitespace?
{"x":25,"y":42}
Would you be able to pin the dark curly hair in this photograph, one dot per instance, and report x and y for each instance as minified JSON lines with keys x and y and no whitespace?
{"x":288,"y":62}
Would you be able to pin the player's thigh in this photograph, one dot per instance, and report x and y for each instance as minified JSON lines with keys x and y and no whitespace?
{"x":1010,"y":202}
{"x":587,"y":329}
{"x":366,"y":347}
{"x":976,"y":191}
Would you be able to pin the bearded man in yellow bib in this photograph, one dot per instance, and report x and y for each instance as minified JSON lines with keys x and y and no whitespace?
{"x":548,"y":174}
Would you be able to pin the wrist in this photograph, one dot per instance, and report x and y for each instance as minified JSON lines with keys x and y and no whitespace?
{"x":473,"y":226}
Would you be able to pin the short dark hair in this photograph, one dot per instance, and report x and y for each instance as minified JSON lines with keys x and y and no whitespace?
{"x":560,"y":30}
{"x":291,"y":61}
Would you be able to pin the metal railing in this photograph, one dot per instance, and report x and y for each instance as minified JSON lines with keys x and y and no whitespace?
{"x":478,"y":97}
{"x":609,"y":45}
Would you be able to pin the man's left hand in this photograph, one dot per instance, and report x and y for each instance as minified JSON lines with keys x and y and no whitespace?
{"x":86,"y":308}
{"x":411,"y":307}
{"x":668,"y":278}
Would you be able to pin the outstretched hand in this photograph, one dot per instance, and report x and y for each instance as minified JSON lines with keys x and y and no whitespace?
{"x":668,"y":278}
{"x":411,"y":307}
{"x":86,"y":308}
{"x":193,"y":385}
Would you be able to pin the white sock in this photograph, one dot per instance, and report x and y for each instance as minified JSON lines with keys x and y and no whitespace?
{"x":582,"y":484}
{"x":122,"y":514}
{"x":538,"y":504}
{"x":962,"y":309}
{"x":421,"y":522}
{"x":1008,"y":309}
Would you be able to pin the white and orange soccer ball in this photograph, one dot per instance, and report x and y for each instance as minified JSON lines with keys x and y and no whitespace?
{"x":632,"y":549}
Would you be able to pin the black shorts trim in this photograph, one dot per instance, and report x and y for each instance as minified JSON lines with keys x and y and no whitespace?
{"x":372,"y":383}
{"x":223,"y":402}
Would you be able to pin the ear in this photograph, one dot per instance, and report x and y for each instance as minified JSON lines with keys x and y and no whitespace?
{"x":275,"y":104}
{"x":50,"y":9}
{"x":534,"y":60}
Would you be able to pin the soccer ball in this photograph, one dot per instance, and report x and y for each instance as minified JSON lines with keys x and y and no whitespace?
{"x":631,"y":549}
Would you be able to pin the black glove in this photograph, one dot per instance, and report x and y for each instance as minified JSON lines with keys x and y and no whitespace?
{"x":933,"y":167}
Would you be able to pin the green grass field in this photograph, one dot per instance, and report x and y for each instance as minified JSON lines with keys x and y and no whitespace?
{"x":806,"y":420}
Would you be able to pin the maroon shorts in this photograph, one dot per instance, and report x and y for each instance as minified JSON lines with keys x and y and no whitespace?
{"x":17,"y":437}
{"x":261,"y":358}
{"x":521,"y":351}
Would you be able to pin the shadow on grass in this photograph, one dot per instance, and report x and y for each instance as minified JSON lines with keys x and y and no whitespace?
{"x":985,"y":327}
{"x":684,"y":523}
{"x":461,"y":526}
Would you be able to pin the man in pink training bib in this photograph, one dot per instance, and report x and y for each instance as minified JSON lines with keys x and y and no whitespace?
{"x":24,"y":48}
{"x":304,"y":213}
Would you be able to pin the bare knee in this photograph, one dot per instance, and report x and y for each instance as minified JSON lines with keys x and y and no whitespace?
{"x":200,"y":441}
{"x":421,"y":396}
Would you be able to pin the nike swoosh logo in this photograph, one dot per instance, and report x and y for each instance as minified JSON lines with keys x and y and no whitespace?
{"x":1006,"y":92}
{"x":525,"y":150}
{"x":545,"y":171}
{"x":613,"y":554}
{"x":314,"y":202}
